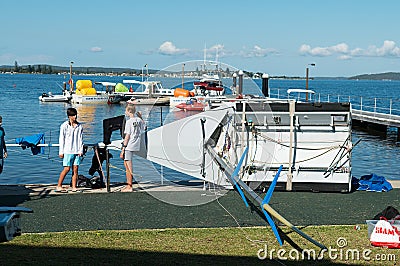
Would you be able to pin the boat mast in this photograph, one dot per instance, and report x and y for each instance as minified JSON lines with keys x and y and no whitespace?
{"x":71,"y":82}
{"x":205,"y":57}
{"x":183,"y":75}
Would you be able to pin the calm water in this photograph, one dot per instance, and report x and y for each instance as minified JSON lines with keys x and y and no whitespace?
{"x":24,"y":115}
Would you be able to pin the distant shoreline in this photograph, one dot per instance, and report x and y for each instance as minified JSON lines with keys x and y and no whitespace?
{"x":110,"y":71}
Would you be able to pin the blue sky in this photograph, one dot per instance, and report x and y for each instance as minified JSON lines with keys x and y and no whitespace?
{"x":343,"y":38}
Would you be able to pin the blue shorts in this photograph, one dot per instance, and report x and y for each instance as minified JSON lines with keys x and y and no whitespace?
{"x":72,"y":159}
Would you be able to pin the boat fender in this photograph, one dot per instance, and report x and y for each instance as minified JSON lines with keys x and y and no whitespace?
{"x":181,"y":92}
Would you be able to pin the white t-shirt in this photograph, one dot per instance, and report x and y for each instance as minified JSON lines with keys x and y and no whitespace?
{"x":135,"y":127}
{"x":71,"y":139}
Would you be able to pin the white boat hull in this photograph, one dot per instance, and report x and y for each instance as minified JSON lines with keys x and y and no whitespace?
{"x":314,"y":150}
{"x":99,"y":98}
{"x":49,"y":97}
{"x":174,"y":101}
{"x":150,"y":101}
{"x":56,"y":98}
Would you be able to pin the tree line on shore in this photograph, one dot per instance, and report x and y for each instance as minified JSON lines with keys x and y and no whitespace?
{"x":49,"y":69}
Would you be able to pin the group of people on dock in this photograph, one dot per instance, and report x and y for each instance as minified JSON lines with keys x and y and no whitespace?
{"x":71,"y":147}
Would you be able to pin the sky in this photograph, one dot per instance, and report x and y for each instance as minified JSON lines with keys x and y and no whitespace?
{"x":342,"y":38}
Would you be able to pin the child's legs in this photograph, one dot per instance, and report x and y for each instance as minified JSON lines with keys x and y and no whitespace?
{"x":77,"y":161}
{"x":74,"y":175}
{"x":128,"y":168}
{"x":63,"y":173}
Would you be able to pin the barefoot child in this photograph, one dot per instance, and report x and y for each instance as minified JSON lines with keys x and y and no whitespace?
{"x":134,"y":129}
{"x":71,"y":148}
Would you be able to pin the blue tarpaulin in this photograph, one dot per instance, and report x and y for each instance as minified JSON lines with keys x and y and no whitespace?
{"x":32,"y":142}
{"x":374,"y":182}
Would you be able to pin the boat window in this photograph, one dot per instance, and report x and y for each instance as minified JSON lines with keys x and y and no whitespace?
{"x":277,"y":119}
{"x":339,"y":119}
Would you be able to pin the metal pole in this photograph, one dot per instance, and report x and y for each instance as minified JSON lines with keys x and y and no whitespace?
{"x":290,"y":174}
{"x":234,"y":85}
{"x":108,"y":170}
{"x":71,"y":83}
{"x":162,"y":168}
{"x":307,"y":70}
{"x":240,"y":82}
{"x":306,"y":84}
{"x":265,"y":88}
{"x":183,"y":76}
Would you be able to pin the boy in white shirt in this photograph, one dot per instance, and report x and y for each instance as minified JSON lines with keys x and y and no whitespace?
{"x":71,"y":149}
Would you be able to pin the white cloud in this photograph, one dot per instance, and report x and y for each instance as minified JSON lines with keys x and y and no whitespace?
{"x":258,"y":51}
{"x":344,"y":57}
{"x":96,"y":49}
{"x":340,"y":48}
{"x":168,"y":48}
{"x":388,"y":49}
{"x":219,"y":49}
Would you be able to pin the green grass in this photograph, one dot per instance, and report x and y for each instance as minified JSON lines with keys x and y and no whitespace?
{"x":216,"y":246}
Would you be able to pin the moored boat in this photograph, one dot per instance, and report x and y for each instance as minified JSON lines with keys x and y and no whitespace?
{"x":311,"y":140}
{"x":149,"y":101}
{"x":146,"y":89}
{"x":85,"y":93}
{"x":192,"y":105}
{"x":50,"y":97}
{"x":209,"y":86}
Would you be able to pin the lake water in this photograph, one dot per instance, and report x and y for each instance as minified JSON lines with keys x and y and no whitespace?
{"x":23,"y":115}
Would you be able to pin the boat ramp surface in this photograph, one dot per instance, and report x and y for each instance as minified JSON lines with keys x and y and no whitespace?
{"x":176,"y":206}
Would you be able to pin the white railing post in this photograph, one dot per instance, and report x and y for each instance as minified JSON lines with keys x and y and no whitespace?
{"x":390,"y":107}
{"x":328,"y":98}
{"x":361,"y":104}
{"x":374,"y":106}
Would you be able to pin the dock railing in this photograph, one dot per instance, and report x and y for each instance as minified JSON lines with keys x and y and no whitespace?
{"x":374,"y":106}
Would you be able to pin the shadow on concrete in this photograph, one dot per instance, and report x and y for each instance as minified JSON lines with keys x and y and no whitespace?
{"x":31,"y":255}
{"x":14,"y":195}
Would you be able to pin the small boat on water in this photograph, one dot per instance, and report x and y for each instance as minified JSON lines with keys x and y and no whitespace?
{"x":85,"y":93}
{"x":160,"y":101}
{"x":147,"y":93}
{"x":50,"y":97}
{"x":193,"y":105}
{"x":146,"y":89}
{"x":209,"y":86}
